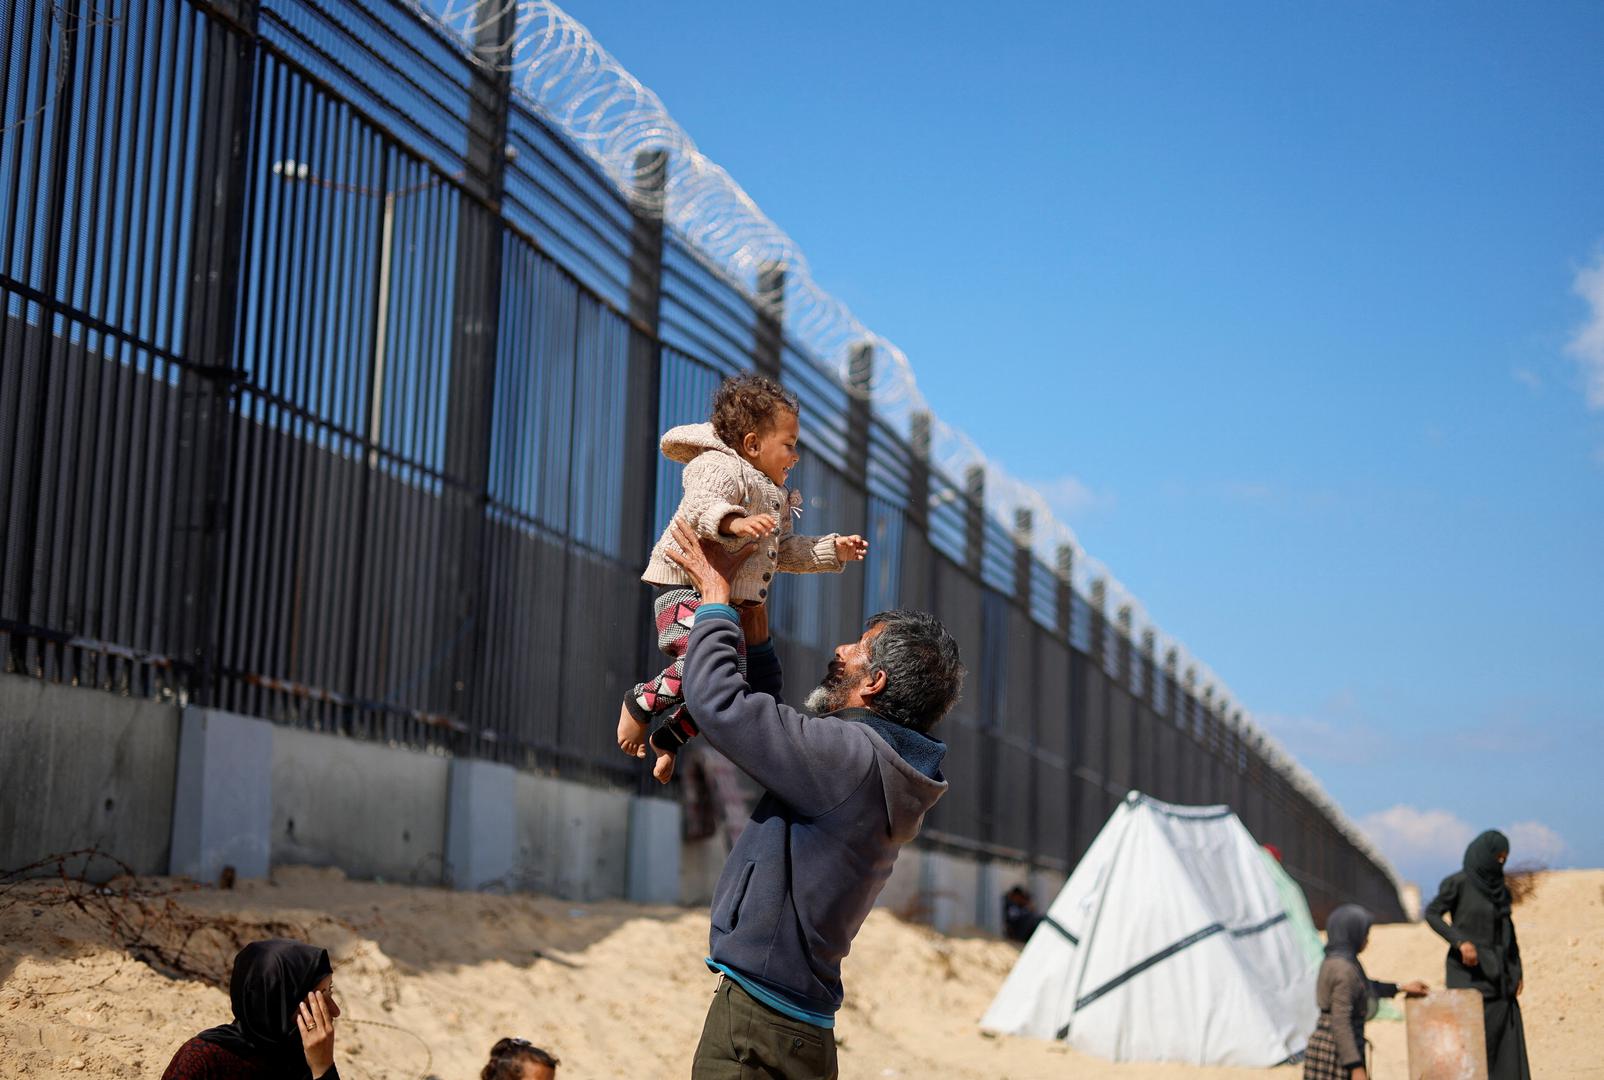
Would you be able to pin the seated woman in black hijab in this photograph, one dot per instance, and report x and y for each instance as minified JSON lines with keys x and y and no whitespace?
{"x":284,"y":1015}
{"x":1482,"y":952}
{"x":1346,"y":997}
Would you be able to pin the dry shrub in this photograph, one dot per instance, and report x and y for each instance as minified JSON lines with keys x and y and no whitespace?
{"x":1523,"y":879}
{"x":142,"y":917}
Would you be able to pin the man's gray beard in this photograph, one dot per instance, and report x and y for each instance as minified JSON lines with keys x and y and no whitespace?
{"x":824,"y":699}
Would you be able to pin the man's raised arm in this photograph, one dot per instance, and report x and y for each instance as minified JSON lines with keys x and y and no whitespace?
{"x":811,"y":763}
{"x":763,"y":672}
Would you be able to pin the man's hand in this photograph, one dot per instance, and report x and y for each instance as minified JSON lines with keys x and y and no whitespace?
{"x":851,"y":548}
{"x":750,"y":527}
{"x":317,"y":1033}
{"x":706,"y":563}
{"x":1415,"y":989}
{"x":1467,"y":953}
{"x":1519,"y":987}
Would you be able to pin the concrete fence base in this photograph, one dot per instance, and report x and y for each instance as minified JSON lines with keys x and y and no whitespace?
{"x":223,"y":800}
{"x":191,"y":791}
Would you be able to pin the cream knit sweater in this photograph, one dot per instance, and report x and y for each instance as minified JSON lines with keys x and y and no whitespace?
{"x":719,"y":482}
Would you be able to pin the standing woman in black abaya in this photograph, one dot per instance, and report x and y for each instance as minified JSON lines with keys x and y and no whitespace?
{"x":1482,"y":952}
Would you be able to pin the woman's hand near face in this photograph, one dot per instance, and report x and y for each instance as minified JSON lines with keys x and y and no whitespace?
{"x":317,"y":1033}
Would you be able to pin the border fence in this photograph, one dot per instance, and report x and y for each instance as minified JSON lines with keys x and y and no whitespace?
{"x":332,"y":380}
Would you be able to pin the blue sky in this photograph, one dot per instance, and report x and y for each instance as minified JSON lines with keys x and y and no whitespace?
{"x":1294,"y":302}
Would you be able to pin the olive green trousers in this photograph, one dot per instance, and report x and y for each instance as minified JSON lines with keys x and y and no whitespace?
{"x":743,"y":1039}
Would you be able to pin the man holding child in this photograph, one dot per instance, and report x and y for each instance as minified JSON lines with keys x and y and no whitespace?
{"x":847,"y":783}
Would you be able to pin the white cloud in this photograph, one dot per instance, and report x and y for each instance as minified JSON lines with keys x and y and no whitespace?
{"x":1070,"y":497}
{"x":1532,"y":841}
{"x":1527,"y":378}
{"x":1427,"y":844}
{"x":1588,"y":343}
{"x":1413,"y":838}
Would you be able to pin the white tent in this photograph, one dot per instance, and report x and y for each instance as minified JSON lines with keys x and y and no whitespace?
{"x":1169,"y":942}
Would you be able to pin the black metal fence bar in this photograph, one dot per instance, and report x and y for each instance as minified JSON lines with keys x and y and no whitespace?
{"x":331,"y":387}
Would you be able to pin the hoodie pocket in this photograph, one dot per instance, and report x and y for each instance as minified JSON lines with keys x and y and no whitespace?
{"x":727,"y":911}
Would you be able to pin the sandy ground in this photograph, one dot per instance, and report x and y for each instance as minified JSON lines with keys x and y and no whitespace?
{"x":429,"y":979}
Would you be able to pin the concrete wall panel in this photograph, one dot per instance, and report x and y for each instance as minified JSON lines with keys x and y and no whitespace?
{"x":84,"y":768}
{"x":223,"y":806}
{"x":375,"y":811}
{"x":573,"y":840}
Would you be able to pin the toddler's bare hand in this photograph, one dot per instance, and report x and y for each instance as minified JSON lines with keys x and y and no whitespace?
{"x":752,"y":527}
{"x":851,"y":548}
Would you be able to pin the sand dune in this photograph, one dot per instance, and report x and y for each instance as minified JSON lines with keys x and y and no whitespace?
{"x":430,"y":978}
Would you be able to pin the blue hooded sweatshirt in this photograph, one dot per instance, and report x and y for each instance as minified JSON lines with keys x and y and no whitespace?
{"x":843,"y":793}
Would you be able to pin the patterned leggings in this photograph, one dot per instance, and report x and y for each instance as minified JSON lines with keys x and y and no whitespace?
{"x":660,"y":699}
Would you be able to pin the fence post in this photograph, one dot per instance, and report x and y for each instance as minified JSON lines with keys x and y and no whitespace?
{"x":860,"y":383}
{"x":43,"y":345}
{"x":646,"y":239}
{"x":1233,"y":756}
{"x":1150,"y":667}
{"x":919,"y":472}
{"x":645,"y":375}
{"x":1024,"y":557}
{"x":1024,"y":547}
{"x":1173,"y":716}
{"x":974,"y":517}
{"x":1172,"y":704}
{"x":476,"y":317}
{"x":1127,"y":678}
{"x":769,"y":337}
{"x":919,"y":574}
{"x":1099,"y":655}
{"x":1099,"y":642}
{"x":201,"y":503}
{"x":1127,"y":669}
{"x":1197,"y":723}
{"x":1064,"y":592}
{"x":1063,"y":615}
{"x":1157,"y":736}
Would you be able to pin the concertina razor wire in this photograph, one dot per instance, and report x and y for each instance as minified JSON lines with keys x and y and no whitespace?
{"x":560,"y":70}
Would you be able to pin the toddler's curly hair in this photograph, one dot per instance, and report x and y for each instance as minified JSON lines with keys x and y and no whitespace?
{"x":749,"y":402}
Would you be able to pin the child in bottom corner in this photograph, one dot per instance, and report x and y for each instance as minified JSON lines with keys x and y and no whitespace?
{"x":736,"y":466}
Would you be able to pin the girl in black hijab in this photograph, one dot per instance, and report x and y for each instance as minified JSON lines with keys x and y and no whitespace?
{"x":1346,"y":997}
{"x":284,"y":1015}
{"x":1482,"y":952}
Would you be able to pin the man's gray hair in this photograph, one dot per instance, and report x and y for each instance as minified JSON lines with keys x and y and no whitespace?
{"x":923,"y":672}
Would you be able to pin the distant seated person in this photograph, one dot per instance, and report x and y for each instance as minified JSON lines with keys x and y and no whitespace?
{"x":284,"y":1013}
{"x":519,"y":1059}
{"x":1020,"y":918}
